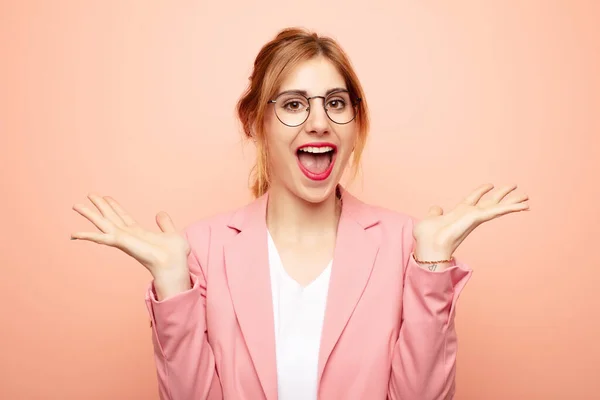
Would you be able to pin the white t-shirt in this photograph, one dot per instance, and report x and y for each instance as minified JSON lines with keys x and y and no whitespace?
{"x":298,"y":316}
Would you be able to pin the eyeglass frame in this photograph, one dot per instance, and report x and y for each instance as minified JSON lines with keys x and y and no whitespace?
{"x":355,"y":103}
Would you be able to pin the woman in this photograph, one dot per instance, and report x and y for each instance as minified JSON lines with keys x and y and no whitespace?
{"x":306,"y":292}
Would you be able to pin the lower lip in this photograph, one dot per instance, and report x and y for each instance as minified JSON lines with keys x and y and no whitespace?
{"x":318,"y":177}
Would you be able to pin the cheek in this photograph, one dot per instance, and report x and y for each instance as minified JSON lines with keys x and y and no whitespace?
{"x":278,"y":146}
{"x":348,"y":139}
{"x":277,"y":152}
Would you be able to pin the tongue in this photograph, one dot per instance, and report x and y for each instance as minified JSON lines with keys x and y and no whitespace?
{"x":315,"y":163}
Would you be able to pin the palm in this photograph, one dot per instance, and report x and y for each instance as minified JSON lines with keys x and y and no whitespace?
{"x":449,"y":230}
{"x":118,"y":229}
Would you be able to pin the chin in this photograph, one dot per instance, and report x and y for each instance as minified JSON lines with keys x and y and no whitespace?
{"x":316,"y":193}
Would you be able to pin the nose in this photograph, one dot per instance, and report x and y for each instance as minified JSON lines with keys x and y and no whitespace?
{"x":318,"y":121}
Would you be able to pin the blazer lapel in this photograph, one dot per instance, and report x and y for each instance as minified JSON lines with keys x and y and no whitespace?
{"x":354,"y":257}
{"x":247,"y":269}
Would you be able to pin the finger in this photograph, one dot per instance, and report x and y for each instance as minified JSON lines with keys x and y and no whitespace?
{"x":100,"y":222}
{"x":504,"y":209}
{"x":165,"y":223}
{"x":502,"y":193}
{"x":476,"y":195}
{"x":95,"y":237}
{"x":515,"y":199}
{"x":435,"y":211}
{"x":127,"y":219}
{"x":105,"y":209}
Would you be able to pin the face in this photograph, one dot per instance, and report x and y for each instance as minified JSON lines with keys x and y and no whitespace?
{"x":309,"y":160}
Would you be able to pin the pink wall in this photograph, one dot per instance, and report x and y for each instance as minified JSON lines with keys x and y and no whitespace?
{"x":135,"y":99}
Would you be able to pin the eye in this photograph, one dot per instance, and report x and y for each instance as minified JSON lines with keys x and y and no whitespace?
{"x":292,"y":106}
{"x":336,"y":104}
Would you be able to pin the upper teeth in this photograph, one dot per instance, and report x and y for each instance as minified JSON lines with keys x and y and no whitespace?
{"x":311,"y":149}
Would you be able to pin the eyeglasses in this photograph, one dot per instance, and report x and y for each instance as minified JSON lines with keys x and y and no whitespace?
{"x":293,"y":108}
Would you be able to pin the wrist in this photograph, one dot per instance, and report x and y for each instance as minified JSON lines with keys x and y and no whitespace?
{"x":168,"y":284}
{"x":433,"y":259}
{"x":430,"y":253}
{"x":436,"y":265}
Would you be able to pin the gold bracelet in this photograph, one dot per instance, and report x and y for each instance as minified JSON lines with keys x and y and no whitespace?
{"x":432,"y":262}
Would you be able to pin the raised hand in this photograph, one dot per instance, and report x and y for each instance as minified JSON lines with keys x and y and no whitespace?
{"x":439,"y":234}
{"x":163,"y":253}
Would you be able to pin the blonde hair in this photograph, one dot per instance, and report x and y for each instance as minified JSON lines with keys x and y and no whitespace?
{"x":274,"y":61}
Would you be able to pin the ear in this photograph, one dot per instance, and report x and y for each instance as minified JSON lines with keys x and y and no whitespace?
{"x":253,"y":132}
{"x":252,"y":135}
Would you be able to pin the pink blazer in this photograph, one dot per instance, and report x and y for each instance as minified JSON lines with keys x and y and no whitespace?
{"x":388,"y":331}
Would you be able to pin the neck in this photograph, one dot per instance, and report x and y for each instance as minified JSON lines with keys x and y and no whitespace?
{"x":296,"y":219}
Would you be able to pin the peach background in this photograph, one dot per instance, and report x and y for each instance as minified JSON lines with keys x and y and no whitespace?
{"x":135,"y":99}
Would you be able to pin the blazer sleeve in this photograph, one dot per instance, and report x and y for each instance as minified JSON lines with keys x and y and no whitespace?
{"x":184,"y":360}
{"x":424,"y":359}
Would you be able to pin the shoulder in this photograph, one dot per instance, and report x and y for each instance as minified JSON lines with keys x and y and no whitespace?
{"x":380,"y":215}
{"x":395,"y":226}
{"x":205,"y":227}
{"x":392,"y":230}
{"x":388,"y":216}
{"x":220,"y":226}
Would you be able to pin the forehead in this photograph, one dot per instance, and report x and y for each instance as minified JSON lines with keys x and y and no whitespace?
{"x":315,"y":76}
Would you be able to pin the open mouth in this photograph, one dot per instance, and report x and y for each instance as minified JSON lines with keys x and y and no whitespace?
{"x":316,"y":160}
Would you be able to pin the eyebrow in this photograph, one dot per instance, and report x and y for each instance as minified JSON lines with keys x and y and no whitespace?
{"x":305,"y":93}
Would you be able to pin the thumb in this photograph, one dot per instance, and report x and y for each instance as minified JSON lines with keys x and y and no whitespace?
{"x":435,"y":211}
{"x":165,"y":223}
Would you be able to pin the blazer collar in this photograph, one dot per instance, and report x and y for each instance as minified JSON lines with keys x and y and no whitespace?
{"x":247,"y":270}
